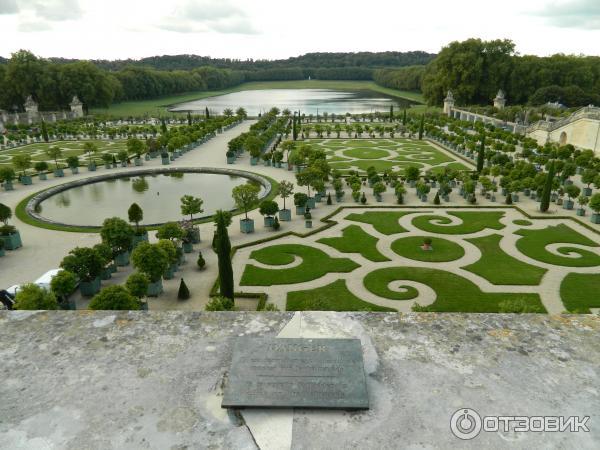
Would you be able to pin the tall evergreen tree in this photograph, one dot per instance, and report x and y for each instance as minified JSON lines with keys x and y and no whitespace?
{"x":421,"y":126}
{"x":481,"y":154}
{"x":391,"y":113}
{"x":545,"y":201}
{"x":224,"y":257}
{"x":163,"y":127}
{"x":404,"y":118}
{"x":189,"y":117}
{"x":206,"y":113}
{"x":45,"y":131}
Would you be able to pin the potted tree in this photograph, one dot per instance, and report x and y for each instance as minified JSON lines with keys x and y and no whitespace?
{"x":278,"y":158}
{"x":300,"y":200}
{"x":572,"y":192}
{"x":595,"y":206}
{"x":136,"y":147}
{"x":87,"y":264}
{"x":118,"y":234}
{"x":192,"y":205}
{"x":122,"y":156}
{"x":55,"y":153}
{"x":107,"y":158}
{"x":423,"y":189}
{"x":188,"y":236}
{"x":338,"y":186}
{"x":136,"y":215}
{"x":41,"y":167}
{"x":378,"y":189}
{"x":2,"y":251}
{"x":254,"y":145}
{"x":153,"y":261}
{"x":427,"y":244}
{"x":400,"y":191}
{"x":105,"y":253}
{"x":116,"y":298}
{"x":164,"y":157}
{"x":582,"y":200}
{"x":7,"y":175}
{"x":22,"y":162}
{"x":588,"y":177}
{"x":73,"y":163}
{"x":8,"y":233}
{"x":268,"y":208}
{"x":412,"y":174}
{"x":170,"y":250}
{"x":230,"y":156}
{"x":307,"y":218}
{"x":515,"y":186}
{"x":63,"y":284}
{"x":285,"y":190}
{"x":90,"y":149}
{"x":245,"y":197}
{"x":137,"y":284}
{"x":200,"y":262}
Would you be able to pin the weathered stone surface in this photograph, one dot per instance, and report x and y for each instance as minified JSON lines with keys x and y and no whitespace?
{"x":119,"y":380}
{"x":307,"y":373}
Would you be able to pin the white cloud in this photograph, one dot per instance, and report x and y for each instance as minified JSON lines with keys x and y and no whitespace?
{"x":49,"y":10}
{"x":34,"y":26}
{"x":8,"y":7}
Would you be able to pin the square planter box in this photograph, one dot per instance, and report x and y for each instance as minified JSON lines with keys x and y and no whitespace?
{"x":74,"y":170}
{"x":169,"y":273}
{"x":164,"y":161}
{"x":138,"y":161}
{"x":8,"y":186}
{"x":300,"y":210}
{"x":12,"y":241}
{"x":253,"y":161}
{"x":378,"y":197}
{"x":188,"y":247}
{"x":568,"y":204}
{"x":91,"y":167}
{"x":587,"y":192}
{"x":196,"y":235}
{"x":42,"y":176}
{"x":122,"y":259}
{"x":123,"y":163}
{"x":339,"y":197}
{"x":268,"y":221}
{"x":26,"y":180}
{"x":246,"y":225}
{"x":147,"y":157}
{"x":107,"y":166}
{"x":59,"y":173}
{"x":595,"y":218}
{"x":318,"y":198}
{"x":2,"y":252}
{"x":311,"y":203}
{"x":515,"y":198}
{"x":154,"y":289}
{"x":285,"y":215}
{"x":89,"y":288}
{"x":230,"y":159}
{"x":106,"y":273}
{"x":308,"y":223}
{"x":114,"y":165}
{"x":424,"y":199}
{"x":138,"y":238}
{"x":581,"y":212}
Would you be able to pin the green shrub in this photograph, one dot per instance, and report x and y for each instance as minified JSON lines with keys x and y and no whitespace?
{"x":184,"y":292}
{"x":518,"y":306}
{"x":33,"y":297}
{"x":220,"y":304}
{"x":114,"y":298}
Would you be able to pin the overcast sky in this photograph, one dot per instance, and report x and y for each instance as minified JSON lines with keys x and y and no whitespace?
{"x":115,"y":29}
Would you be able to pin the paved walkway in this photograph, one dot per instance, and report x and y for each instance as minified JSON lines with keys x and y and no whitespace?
{"x":44,"y":249}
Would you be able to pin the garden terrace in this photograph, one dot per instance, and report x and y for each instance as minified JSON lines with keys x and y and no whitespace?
{"x":477,"y":260}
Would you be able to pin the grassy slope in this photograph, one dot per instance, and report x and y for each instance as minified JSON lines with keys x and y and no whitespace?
{"x":159,"y":105}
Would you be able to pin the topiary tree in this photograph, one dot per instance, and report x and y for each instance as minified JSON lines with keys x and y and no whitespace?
{"x":572,"y":191}
{"x":73,"y":161}
{"x":171,"y":231}
{"x":135,"y":214}
{"x":117,"y":234}
{"x":114,"y":298}
{"x":5,"y":214}
{"x":245,"y":196}
{"x":170,"y":250}
{"x":183,"y":293}
{"x":137,"y":284}
{"x":224,"y":260}
{"x":32,"y":297}
{"x":481,"y":154}
{"x":200,"y":262}
{"x":152,"y":259}
{"x":62,"y":285}
{"x":412,"y":173}
{"x":85,"y":262}
{"x":7,"y":174}
{"x":40,"y":166}
{"x":90,"y":149}
{"x":595,"y":203}
{"x":191,"y":205}
{"x":268,"y":208}
{"x":545,"y":200}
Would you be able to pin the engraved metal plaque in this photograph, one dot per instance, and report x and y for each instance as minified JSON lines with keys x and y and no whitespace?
{"x":292,"y":373}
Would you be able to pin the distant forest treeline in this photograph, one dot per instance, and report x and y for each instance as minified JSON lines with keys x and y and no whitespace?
{"x":54,"y":81}
{"x":475,"y":70}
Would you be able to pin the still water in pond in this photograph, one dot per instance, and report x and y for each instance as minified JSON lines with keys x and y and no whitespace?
{"x":158,"y":195}
{"x":308,"y":101}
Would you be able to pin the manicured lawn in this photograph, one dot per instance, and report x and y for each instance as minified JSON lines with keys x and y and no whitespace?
{"x":386,"y":222}
{"x":522,"y":222}
{"x":472,"y":222}
{"x":355,"y":240}
{"x":315,"y":264}
{"x":580,"y":292}
{"x":496,"y":266}
{"x":159,"y":106}
{"x":443,"y":250}
{"x":333,"y":297}
{"x":534,"y":242}
{"x":453,"y":293}
{"x":366,"y":153}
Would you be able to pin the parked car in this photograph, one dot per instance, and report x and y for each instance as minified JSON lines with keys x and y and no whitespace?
{"x":43,"y":282}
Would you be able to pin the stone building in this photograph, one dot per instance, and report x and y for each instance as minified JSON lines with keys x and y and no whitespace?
{"x":33,"y":115}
